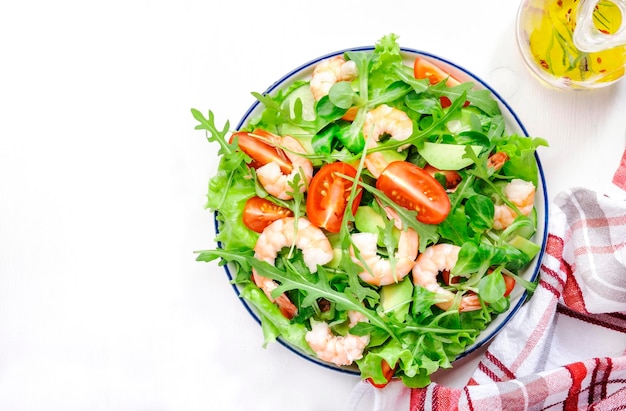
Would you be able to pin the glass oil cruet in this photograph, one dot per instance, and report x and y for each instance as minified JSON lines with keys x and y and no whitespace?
{"x":574,"y":44}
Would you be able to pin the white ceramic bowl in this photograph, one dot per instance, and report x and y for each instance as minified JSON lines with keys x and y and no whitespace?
{"x":514,"y":126}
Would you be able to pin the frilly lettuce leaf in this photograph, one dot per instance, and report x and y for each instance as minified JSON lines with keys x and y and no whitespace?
{"x":274,"y":323}
{"x":232,"y":232}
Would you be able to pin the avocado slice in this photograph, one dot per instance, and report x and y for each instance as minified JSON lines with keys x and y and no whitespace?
{"x":368,"y":220}
{"x":395,"y":299}
{"x":447,"y":156}
{"x":525,"y":245}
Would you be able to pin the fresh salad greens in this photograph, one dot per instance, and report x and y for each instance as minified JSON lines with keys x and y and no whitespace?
{"x":447,"y":180}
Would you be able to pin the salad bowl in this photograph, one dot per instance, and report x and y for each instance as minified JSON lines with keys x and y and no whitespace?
{"x":530,"y":272}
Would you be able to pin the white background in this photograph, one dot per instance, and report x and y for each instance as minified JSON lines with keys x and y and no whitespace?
{"x":103,"y":181}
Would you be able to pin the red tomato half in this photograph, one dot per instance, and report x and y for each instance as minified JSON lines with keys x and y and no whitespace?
{"x":328,"y":195}
{"x":387,"y":373}
{"x":510,"y":284}
{"x":257,"y":146}
{"x":258,"y":213}
{"x":413,"y":188}
{"x":425,"y":69}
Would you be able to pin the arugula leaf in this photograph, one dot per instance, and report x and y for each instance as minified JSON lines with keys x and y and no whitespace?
{"x":484,"y":101}
{"x":213,"y":133}
{"x":406,"y":75}
{"x":238,"y":258}
{"x":392,"y":93}
{"x":275,"y":114}
{"x":421,"y":104}
{"x":362,"y":60}
{"x":460,"y":91}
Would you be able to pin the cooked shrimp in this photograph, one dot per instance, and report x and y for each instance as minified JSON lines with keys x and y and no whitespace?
{"x":380,"y":270}
{"x":522,"y":194}
{"x":273,"y":179}
{"x":391,"y":215}
{"x":378,"y":122}
{"x":339,"y":350}
{"x":267,"y":285}
{"x":453,"y":178}
{"x":329,"y":72}
{"x":497,"y":160}
{"x":436,"y":258}
{"x":316,"y":249}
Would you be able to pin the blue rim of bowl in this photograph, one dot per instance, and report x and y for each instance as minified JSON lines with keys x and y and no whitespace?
{"x":520,"y":301}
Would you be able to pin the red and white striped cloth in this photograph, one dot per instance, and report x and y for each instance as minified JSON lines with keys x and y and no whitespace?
{"x":566,"y":348}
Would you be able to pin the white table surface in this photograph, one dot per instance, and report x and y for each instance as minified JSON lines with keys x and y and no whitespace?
{"x":103,"y":181}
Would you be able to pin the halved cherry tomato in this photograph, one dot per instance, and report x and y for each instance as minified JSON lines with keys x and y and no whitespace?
{"x":497,"y":160}
{"x":423,"y":68}
{"x":387,"y":373}
{"x":256,"y":145}
{"x":509,"y":283}
{"x":413,"y":188}
{"x":350,"y":114}
{"x":328,"y":195}
{"x":258,"y":213}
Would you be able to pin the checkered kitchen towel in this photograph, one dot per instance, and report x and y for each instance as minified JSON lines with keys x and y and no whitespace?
{"x":566,"y":348}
